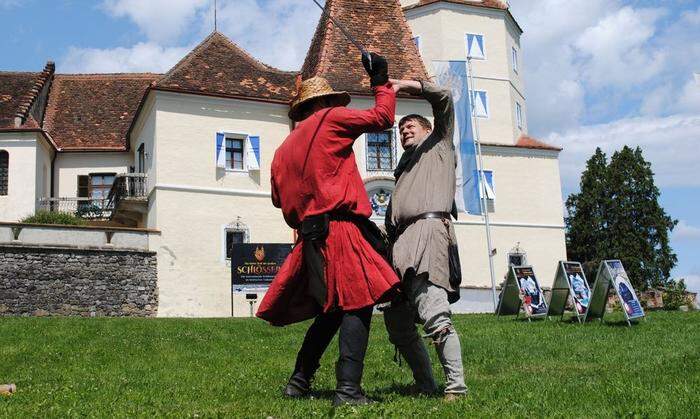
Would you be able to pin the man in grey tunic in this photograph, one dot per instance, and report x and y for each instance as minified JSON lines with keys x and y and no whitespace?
{"x":419,"y":225}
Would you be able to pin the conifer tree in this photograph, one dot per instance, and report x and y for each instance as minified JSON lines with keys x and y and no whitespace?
{"x":617,"y":215}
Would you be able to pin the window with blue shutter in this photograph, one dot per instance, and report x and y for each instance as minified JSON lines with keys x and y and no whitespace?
{"x":519,"y":114}
{"x":515,"y":59}
{"x":480,"y":103}
{"x":475,"y":46}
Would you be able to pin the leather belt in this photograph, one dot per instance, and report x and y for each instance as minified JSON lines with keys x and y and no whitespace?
{"x":426,"y":215}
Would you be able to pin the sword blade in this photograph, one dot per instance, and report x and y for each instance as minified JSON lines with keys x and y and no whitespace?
{"x":342,"y":29}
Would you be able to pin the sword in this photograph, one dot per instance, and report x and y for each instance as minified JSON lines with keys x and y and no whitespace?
{"x":346,"y":33}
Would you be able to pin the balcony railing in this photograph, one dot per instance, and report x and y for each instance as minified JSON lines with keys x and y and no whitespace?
{"x":127,"y":185}
{"x":87,"y":208}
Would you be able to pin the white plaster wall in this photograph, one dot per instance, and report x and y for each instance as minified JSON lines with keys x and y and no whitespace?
{"x":186,"y":139}
{"x":76,"y":236}
{"x":194,"y":279}
{"x":20,"y":200}
{"x":43,"y":169}
{"x":443,"y":27}
{"x":144,"y":132}
{"x":544,"y":247}
{"x":69,"y":166}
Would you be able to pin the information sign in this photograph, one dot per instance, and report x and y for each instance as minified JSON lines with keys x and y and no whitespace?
{"x":611,"y":274}
{"x":570,"y":281}
{"x":256,"y":263}
{"x":522,"y":288}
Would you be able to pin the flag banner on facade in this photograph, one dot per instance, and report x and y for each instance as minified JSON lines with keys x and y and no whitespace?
{"x":453,"y":75}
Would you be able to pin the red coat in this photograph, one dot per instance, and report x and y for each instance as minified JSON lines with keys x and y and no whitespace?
{"x":311,"y":179}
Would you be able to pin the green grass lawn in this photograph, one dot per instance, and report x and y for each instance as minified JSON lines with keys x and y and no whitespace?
{"x":237,"y":367}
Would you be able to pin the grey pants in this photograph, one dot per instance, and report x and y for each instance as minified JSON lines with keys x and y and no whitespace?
{"x":427,"y":304}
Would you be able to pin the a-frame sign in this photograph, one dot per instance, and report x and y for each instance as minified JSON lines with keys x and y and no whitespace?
{"x":611,"y":274}
{"x":522,"y":288}
{"x":570,"y":281}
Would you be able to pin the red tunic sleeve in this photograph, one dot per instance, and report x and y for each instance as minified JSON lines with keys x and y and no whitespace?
{"x":351,"y":123}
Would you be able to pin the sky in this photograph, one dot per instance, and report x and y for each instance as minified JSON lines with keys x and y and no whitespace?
{"x":604,"y":73}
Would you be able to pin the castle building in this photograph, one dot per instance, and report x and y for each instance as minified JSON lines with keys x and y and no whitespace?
{"x":186,"y":155}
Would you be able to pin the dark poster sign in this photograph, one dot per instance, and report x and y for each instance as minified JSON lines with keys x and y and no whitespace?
{"x":257,"y":263}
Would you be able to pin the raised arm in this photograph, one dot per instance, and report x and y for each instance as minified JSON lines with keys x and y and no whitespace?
{"x":439,"y":98}
{"x":354,"y":122}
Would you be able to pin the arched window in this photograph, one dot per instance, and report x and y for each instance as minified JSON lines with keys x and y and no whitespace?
{"x":4,"y":171}
{"x":235,"y":232}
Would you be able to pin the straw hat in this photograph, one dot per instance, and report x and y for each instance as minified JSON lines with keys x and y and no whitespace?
{"x":314,"y":88}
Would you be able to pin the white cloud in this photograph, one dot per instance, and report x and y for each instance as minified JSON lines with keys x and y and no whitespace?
{"x":553,"y":77}
{"x":142,"y":57}
{"x":277,"y":33}
{"x":685,"y":231}
{"x":616,"y":50}
{"x":162,"y":21}
{"x":669,"y":143}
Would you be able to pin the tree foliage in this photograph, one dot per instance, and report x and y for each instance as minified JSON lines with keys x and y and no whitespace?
{"x":617,"y":215}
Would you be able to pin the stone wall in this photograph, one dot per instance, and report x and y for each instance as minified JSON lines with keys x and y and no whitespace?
{"x":77,"y":281}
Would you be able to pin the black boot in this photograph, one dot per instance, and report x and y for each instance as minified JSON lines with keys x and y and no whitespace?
{"x":354,"y":333}
{"x":348,"y":390}
{"x":299,"y":385}
{"x":315,"y":343}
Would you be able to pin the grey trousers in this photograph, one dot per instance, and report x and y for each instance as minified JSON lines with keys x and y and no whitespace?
{"x":427,"y":304}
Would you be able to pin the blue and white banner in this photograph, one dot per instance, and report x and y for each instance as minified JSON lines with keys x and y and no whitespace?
{"x":453,"y":75}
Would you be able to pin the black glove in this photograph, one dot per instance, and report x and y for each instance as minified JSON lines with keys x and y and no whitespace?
{"x":379,"y":71}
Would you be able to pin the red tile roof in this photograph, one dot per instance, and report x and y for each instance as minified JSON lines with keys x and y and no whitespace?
{"x":219,"y":67}
{"x":491,"y":4}
{"x":15,"y":87}
{"x":380,"y":26}
{"x":526,"y":141}
{"x":94,"y":111}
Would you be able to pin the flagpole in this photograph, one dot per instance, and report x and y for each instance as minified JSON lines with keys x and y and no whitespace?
{"x":482,"y":181}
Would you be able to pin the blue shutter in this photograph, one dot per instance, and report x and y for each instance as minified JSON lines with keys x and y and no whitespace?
{"x":255,"y":144}
{"x":220,"y":157}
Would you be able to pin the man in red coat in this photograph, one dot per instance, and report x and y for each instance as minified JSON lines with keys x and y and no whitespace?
{"x":333,"y":273}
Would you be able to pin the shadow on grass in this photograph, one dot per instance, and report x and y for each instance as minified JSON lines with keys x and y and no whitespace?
{"x":407,"y":390}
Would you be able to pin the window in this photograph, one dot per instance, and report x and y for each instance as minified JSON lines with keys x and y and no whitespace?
{"x":4,"y":171}
{"x":142,"y":159}
{"x":234,"y":154}
{"x":380,"y":150}
{"x":234,"y":233}
{"x":475,"y":46}
{"x":519,"y":115}
{"x":480,"y":104}
{"x":233,"y":237}
{"x":515,"y":59}
{"x":490,"y":191}
{"x":95,"y":185}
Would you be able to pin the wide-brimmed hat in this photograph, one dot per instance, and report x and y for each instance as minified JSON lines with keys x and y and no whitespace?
{"x":314,"y":88}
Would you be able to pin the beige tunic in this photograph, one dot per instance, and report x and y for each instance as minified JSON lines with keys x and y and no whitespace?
{"x":427,"y":185}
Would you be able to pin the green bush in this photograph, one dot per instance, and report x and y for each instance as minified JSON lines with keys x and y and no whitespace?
{"x":48,"y":217}
{"x":675,"y":295}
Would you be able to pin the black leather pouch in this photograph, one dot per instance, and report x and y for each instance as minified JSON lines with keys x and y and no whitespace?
{"x":315,"y":227}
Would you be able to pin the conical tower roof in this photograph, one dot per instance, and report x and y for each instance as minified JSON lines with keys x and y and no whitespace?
{"x":380,"y":26}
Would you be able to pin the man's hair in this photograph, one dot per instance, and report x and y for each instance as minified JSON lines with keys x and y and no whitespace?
{"x":418,"y":118}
